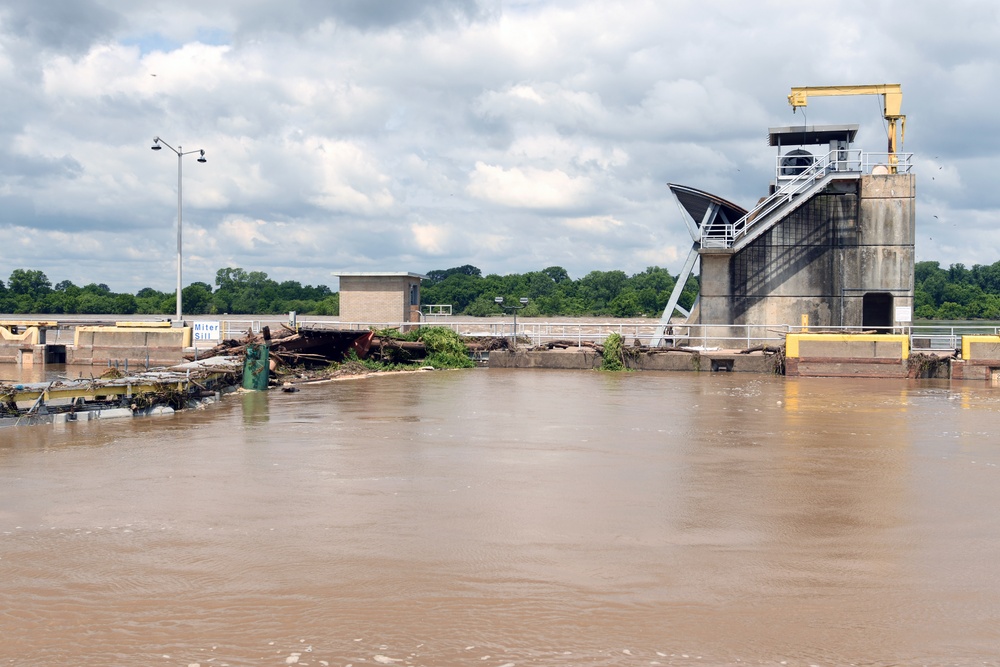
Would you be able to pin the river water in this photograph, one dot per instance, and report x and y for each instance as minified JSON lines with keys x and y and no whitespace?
{"x":501,"y":517}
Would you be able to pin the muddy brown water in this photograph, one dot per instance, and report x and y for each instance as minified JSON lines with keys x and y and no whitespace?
{"x":504,"y":517}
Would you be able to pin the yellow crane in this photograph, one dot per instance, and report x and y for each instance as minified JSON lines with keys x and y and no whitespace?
{"x":892,"y":94}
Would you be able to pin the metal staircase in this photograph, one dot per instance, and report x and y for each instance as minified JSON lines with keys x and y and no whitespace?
{"x":793,"y":192}
{"x":708,"y":217}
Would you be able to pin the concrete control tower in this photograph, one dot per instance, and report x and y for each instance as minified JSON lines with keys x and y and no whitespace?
{"x":831,"y":245}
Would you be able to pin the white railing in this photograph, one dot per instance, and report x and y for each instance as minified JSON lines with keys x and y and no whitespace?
{"x":736,"y":336}
{"x":436,"y":310}
{"x":937,"y":337}
{"x":946,"y":337}
{"x":848,"y":161}
{"x":726,"y":336}
{"x":874,"y":163}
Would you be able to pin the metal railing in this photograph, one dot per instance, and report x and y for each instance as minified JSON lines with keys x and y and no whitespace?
{"x":436,"y":310}
{"x":923,"y":337}
{"x":805,"y":178}
{"x":934,"y":337}
{"x":699,"y":336}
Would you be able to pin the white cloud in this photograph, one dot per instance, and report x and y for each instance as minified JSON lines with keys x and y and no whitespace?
{"x":601,"y":224}
{"x":527,"y":188}
{"x":246,"y":234}
{"x":430,"y":239}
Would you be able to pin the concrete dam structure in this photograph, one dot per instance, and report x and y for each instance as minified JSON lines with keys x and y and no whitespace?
{"x":830,"y":246}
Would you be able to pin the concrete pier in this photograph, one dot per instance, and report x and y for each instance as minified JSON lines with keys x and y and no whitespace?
{"x":587,"y":359}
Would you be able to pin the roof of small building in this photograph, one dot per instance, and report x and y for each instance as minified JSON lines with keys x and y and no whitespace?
{"x":379,"y":274}
{"x":803,"y":135}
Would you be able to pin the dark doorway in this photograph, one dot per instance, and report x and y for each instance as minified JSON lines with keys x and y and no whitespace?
{"x":55,"y":354}
{"x":877,"y":311}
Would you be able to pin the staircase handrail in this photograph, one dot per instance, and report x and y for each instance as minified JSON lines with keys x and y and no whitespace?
{"x":849,"y":161}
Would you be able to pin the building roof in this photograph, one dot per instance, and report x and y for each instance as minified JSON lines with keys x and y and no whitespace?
{"x":378,"y":274}
{"x":696,"y":202}
{"x":804,"y":135}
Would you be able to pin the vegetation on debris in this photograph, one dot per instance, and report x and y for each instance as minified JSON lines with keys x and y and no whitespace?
{"x":613,"y":357}
{"x":443,"y":348}
{"x":921,"y":365}
{"x":389,"y":350}
{"x":352,"y":365}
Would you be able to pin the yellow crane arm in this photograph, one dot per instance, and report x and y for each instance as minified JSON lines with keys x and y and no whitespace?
{"x":892,"y":94}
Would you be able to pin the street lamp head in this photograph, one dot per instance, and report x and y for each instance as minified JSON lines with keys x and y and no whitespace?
{"x":156,"y":144}
{"x":524,"y":300}
{"x":498,"y":299}
{"x":201,"y":156}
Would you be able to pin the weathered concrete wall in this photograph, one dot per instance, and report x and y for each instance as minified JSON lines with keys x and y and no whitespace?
{"x":891,"y":368}
{"x":854,"y":238}
{"x":585,"y":359}
{"x":793,"y":269}
{"x":980,"y":348}
{"x":21,"y":348}
{"x":377,"y":299}
{"x":980,"y":359}
{"x":709,"y":362}
{"x":99,"y":345}
{"x":847,"y":355}
{"x":564,"y":359}
{"x":886,"y":234}
{"x":715,"y":298}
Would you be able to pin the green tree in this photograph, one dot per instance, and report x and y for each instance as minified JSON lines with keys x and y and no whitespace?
{"x":197,"y":298}
{"x":599,"y":288}
{"x":557,"y":273}
{"x":457,"y":289}
{"x":28,"y":283}
{"x":124,"y":304}
{"x":482,"y":306}
{"x":626,"y":304}
{"x":950,"y":310}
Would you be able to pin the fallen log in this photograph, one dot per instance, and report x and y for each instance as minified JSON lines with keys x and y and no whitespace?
{"x":768,"y":349}
{"x":409,"y":346}
{"x":564,"y":344}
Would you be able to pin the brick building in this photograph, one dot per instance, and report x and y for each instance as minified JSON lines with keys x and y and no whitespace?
{"x":380,"y":298}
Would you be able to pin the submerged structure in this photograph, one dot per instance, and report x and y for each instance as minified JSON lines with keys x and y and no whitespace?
{"x":831,"y":245}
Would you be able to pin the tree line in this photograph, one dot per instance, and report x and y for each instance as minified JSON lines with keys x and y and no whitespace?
{"x":954,"y":293}
{"x":235,"y":292}
{"x":551,"y":292}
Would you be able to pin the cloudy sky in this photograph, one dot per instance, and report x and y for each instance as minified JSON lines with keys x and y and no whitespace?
{"x":367,"y":135}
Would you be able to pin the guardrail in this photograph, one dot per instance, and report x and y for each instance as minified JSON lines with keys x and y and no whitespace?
{"x":933,"y":337}
{"x":705,"y":336}
{"x":930,"y":337}
{"x":800,"y":180}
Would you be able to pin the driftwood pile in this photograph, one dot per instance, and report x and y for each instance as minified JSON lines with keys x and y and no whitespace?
{"x":277,"y":342}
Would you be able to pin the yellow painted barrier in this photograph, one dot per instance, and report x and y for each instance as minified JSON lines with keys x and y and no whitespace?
{"x":989,"y":344}
{"x":143,"y":325}
{"x":793,"y":343}
{"x":183,"y":332}
{"x":30,"y":336}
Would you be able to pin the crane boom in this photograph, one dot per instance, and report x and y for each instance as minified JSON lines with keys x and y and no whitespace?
{"x":892,"y":94}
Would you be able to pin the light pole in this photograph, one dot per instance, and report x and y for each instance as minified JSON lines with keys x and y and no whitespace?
{"x":524,"y":302}
{"x":180,"y":154}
